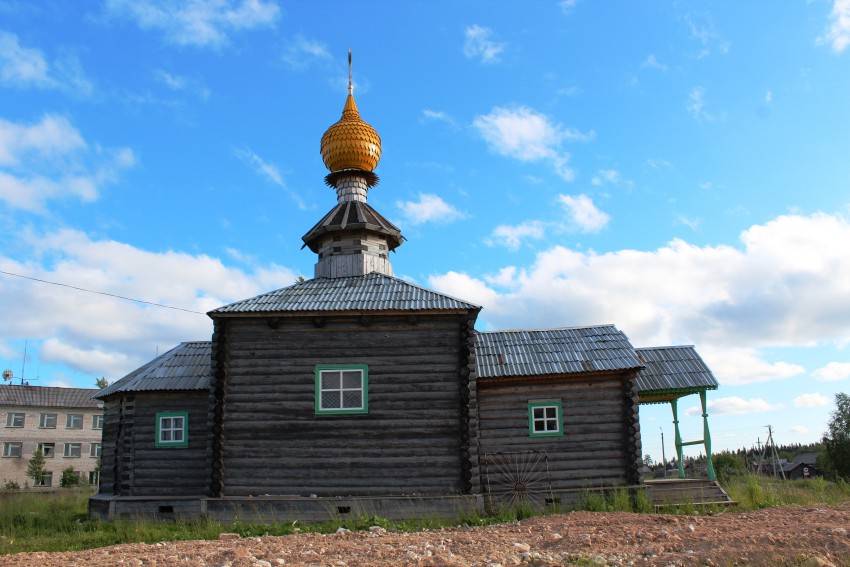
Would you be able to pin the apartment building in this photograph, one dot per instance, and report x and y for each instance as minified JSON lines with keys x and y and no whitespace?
{"x":65,"y":423}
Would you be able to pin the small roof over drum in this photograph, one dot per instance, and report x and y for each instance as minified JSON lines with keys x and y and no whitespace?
{"x":372,"y":292}
{"x":185,"y":367}
{"x":672,"y":372}
{"x":574,"y":350}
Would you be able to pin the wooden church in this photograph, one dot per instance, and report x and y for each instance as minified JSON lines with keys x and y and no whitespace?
{"x":358,"y":393}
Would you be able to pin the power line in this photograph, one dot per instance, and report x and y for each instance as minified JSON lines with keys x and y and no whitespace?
{"x":103,"y":293}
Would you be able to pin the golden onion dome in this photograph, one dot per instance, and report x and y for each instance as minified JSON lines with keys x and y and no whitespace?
{"x":351,"y":143}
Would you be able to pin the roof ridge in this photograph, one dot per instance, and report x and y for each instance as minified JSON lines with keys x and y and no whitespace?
{"x":605,"y":325}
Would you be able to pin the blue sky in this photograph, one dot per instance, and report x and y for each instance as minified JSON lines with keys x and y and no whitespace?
{"x":679,"y":169}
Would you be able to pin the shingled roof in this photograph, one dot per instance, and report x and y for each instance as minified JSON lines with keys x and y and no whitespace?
{"x":47,"y":396}
{"x":671,"y":372}
{"x":187,"y":366}
{"x":574,"y":350}
{"x":372,"y":292}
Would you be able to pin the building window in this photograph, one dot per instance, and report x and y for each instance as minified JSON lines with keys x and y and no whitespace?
{"x":13,"y":450}
{"x":94,"y":449}
{"x":73,"y":450}
{"x":48,"y":450}
{"x":47,"y":421}
{"x":97,"y":422}
{"x":342,"y":389}
{"x":94,"y":477}
{"x":172,"y":429}
{"x":15,"y":419}
{"x":74,"y":421}
{"x":544,"y":419}
{"x":46,"y":479}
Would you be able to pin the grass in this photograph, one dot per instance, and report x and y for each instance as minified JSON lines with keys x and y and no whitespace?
{"x":57,"y":521}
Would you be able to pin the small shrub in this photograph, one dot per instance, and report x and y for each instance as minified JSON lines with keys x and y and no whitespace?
{"x":11,"y":485}
{"x":592,"y":501}
{"x":70,"y":478}
{"x":620,"y":501}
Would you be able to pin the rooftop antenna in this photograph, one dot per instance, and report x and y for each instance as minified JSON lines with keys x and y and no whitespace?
{"x":24,"y":363}
{"x":350,"y":82}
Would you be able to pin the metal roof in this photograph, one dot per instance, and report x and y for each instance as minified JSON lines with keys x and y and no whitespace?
{"x":47,"y":396}
{"x":372,"y":292}
{"x":554,"y":351}
{"x":353,"y":216}
{"x":188,"y":366}
{"x":673,"y":369}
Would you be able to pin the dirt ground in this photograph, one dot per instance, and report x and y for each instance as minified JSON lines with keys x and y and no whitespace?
{"x":774,"y":536}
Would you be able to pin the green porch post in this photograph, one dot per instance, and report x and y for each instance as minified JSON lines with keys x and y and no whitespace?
{"x":706,"y":436}
{"x":673,"y":405}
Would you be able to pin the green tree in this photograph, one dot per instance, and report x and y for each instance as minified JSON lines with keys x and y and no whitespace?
{"x":101,"y":382}
{"x":837,"y":439}
{"x":35,"y":468}
{"x":69,"y":478}
{"x":727,"y":465}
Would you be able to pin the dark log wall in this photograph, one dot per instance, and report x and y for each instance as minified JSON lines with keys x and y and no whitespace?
{"x":134,"y":466}
{"x":410,"y":441}
{"x":594,"y":450}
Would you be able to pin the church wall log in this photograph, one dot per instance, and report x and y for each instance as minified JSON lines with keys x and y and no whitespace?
{"x":408,"y":442}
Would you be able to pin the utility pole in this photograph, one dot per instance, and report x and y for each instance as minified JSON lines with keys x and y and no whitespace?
{"x":663,"y":456}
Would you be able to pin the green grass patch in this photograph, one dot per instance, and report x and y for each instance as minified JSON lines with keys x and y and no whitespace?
{"x":755,"y":492}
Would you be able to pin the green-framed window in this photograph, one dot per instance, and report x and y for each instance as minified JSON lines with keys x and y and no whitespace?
{"x":342,"y":389}
{"x":172,"y":429}
{"x":545,"y":419}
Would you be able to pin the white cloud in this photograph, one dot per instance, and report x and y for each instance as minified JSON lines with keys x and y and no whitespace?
{"x":787,"y":284}
{"x":707,"y":35}
{"x":25,"y":67}
{"x":696,"y":105}
{"x":838,"y":33}
{"x":180,"y":83}
{"x":692,"y":223}
{"x":833,"y":372}
{"x":734,"y":406}
{"x":811,"y":401}
{"x":478,"y":44}
{"x":196,"y":22}
{"x":768,"y":97}
{"x":302,"y":53}
{"x":429,"y":208}
{"x":267,"y":171}
{"x":437,"y":116}
{"x":116,"y":336}
{"x":50,"y":160}
{"x":511,"y":236}
{"x":583,"y":214}
{"x":653,"y":63}
{"x":526,"y":135}
{"x":799,"y":429}
{"x":568,"y":5}
{"x":606,"y":176}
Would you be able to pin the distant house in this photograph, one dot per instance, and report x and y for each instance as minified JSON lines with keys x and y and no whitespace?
{"x":357,"y":392}
{"x":802,"y":466}
{"x":65,"y":423}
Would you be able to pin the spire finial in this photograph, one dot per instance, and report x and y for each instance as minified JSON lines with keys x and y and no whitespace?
{"x":350,"y":83}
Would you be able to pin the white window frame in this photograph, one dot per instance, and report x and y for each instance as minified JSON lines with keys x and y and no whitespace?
{"x":71,"y":448}
{"x":46,"y":479}
{"x":97,"y":421}
{"x":48,"y":450}
{"x":95,"y":450}
{"x":172,"y":429}
{"x":72,"y":420}
{"x":13,"y":449}
{"x":325,"y":373}
{"x":545,"y":418}
{"x":16,"y":419}
{"x":45,"y":419}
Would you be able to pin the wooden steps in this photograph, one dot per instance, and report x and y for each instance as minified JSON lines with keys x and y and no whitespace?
{"x":686,"y":492}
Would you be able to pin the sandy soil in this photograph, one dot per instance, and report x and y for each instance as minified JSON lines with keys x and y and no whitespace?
{"x":775,"y":536}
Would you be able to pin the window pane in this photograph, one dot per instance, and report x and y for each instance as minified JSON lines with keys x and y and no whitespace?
{"x":178,"y":435}
{"x":551,"y":412}
{"x":539,"y":413}
{"x":330,"y":400}
{"x":352,"y":399}
{"x":352,"y":379}
{"x":330,"y":380}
